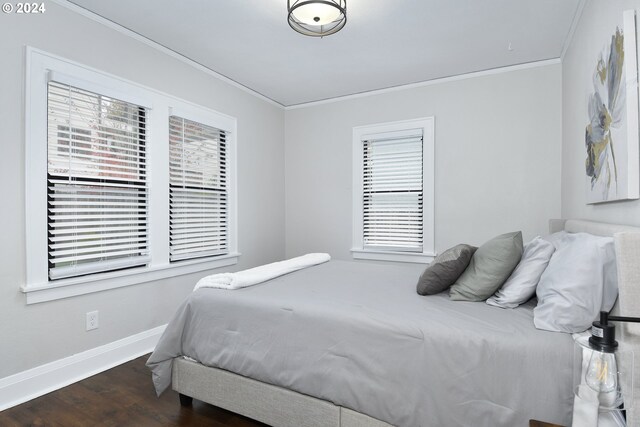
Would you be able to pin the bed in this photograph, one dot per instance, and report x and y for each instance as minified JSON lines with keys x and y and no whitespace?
{"x":351,"y":344}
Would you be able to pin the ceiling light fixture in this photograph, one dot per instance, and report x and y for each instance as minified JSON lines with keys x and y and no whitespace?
{"x":317,"y":18}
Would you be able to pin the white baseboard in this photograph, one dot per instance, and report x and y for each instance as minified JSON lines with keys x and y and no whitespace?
{"x":27,"y":385}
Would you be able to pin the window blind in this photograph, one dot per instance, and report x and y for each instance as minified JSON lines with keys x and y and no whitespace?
{"x":198,"y":199}
{"x":393,"y":193}
{"x":96,"y":183}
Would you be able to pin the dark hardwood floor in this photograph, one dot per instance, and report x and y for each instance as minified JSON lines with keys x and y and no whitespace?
{"x":122,"y":396}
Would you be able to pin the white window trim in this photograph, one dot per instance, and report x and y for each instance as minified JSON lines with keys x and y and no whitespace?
{"x":360,"y":133}
{"x":40,"y":66}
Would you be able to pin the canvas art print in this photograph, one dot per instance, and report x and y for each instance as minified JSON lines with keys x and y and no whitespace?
{"x":611,"y":135}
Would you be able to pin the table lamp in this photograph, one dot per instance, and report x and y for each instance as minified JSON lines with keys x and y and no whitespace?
{"x":601,"y":366}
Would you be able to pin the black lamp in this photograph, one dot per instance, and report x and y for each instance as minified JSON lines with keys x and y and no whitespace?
{"x":602,"y":371}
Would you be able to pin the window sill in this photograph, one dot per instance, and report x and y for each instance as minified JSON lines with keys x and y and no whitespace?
{"x":419,"y":258}
{"x":66,"y":288}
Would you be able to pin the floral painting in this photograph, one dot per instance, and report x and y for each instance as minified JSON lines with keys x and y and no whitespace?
{"x":611,"y":135}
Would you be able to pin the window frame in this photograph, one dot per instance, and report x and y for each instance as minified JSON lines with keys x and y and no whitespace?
{"x":42,"y":67}
{"x":381,"y":130}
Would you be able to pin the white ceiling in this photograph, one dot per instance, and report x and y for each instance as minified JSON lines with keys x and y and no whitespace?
{"x":385,"y":43}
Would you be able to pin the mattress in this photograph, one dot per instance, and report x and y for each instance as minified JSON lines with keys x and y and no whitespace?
{"x":358,"y":335}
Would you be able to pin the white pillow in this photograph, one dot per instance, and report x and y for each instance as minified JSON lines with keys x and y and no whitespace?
{"x":521,"y":285}
{"x":579,"y":282}
{"x":558,"y":239}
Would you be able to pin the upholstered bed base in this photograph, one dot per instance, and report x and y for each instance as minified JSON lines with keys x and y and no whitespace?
{"x":280,"y":407}
{"x":267,"y":403}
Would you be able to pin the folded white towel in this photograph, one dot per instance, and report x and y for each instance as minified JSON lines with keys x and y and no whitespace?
{"x":260,"y":274}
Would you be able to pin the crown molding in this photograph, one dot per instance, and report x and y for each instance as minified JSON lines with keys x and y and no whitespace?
{"x":139,"y":37}
{"x":441,"y":80}
{"x":572,"y":29}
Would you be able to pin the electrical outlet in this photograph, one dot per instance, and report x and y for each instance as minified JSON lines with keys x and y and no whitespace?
{"x":92,"y":320}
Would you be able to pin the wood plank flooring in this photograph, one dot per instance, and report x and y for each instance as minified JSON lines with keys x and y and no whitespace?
{"x":122,"y":396}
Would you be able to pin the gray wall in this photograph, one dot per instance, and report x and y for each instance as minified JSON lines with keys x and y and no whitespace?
{"x":497,"y":144}
{"x":599,"y":20}
{"x":36,"y":334}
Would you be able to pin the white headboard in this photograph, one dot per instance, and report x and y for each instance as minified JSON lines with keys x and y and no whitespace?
{"x":627,"y":241}
{"x":591,"y":227}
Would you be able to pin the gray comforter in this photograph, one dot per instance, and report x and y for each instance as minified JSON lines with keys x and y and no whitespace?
{"x":358,"y":335}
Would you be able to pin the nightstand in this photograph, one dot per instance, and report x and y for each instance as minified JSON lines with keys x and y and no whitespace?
{"x":536,"y":423}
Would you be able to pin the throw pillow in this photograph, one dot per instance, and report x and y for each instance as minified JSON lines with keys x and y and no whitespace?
{"x":489,"y":268}
{"x":445,"y":269}
{"x":521,"y":285}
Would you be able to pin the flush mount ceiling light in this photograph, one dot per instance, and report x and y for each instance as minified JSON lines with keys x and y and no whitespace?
{"x":317,"y":18}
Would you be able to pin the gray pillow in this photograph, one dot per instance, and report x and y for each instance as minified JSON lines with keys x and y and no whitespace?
{"x":445,"y":269}
{"x":490,"y":266}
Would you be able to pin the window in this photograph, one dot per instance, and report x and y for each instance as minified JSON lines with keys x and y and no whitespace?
{"x":96,"y":183}
{"x":393,"y":191}
{"x":124,"y":184}
{"x":197,"y":190}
